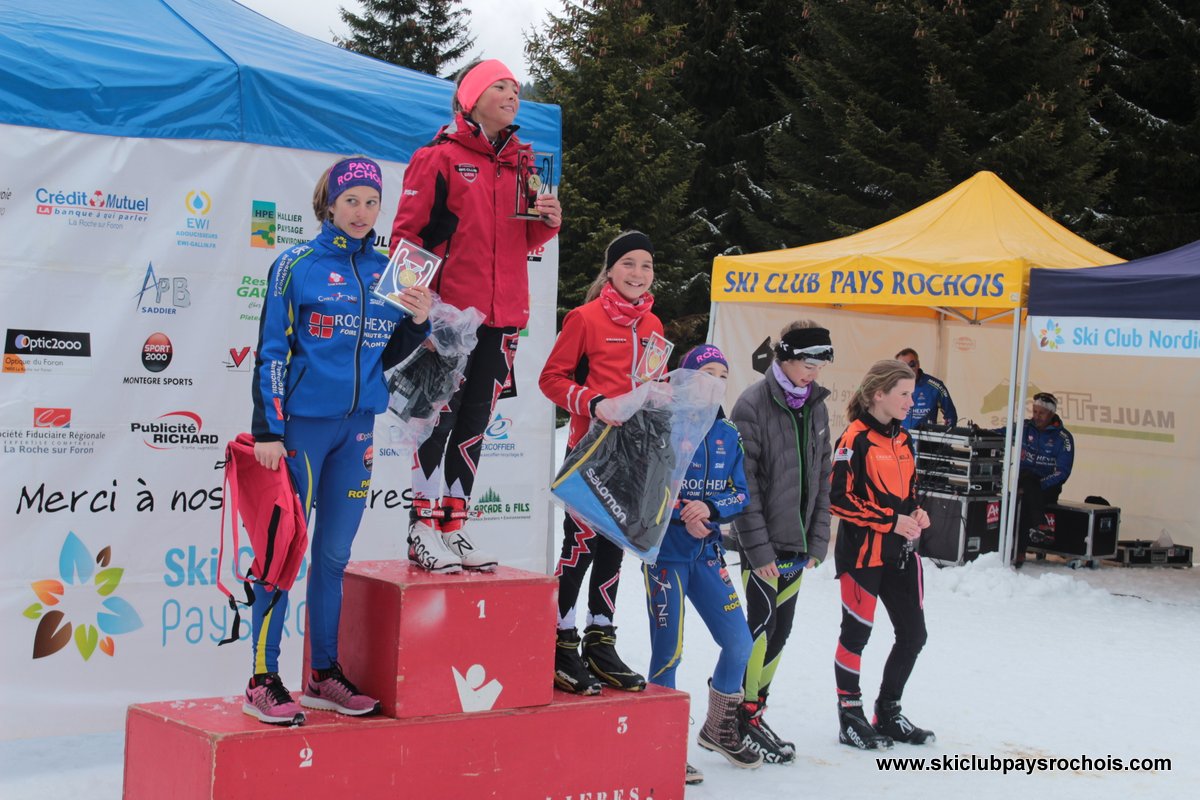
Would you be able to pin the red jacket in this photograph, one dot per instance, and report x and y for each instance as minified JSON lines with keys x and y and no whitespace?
{"x":873,"y":482}
{"x":593,"y":358}
{"x":458,"y":195}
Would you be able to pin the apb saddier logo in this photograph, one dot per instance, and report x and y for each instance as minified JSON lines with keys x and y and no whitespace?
{"x":162,"y":295}
{"x":64,"y":610}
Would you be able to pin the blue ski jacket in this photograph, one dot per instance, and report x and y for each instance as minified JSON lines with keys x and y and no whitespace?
{"x":1048,"y":454}
{"x":715,"y":476}
{"x":322,"y":334}
{"x":929,"y":395}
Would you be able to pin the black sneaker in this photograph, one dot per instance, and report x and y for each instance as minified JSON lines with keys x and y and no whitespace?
{"x":600,"y":655}
{"x":692,"y":776}
{"x":856,"y":731}
{"x":570,"y":673}
{"x":890,"y":722}
{"x":758,"y":740}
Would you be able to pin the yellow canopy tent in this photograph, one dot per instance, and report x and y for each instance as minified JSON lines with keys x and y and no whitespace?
{"x":965,"y":256}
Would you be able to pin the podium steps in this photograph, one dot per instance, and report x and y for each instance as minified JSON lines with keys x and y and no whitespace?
{"x":463,"y":665}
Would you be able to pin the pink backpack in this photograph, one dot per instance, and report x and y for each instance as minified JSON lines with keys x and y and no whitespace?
{"x":267,"y":504}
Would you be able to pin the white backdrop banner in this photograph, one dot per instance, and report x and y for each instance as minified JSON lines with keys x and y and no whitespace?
{"x":1137,"y":440}
{"x":131,"y":283}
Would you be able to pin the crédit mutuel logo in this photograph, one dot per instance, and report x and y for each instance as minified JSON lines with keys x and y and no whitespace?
{"x":100,"y":209}
{"x":81,"y":604}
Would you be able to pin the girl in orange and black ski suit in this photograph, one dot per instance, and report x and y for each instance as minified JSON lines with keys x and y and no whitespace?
{"x":873,"y":493}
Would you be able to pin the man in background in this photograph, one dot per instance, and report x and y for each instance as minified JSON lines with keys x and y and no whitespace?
{"x":929,"y":395}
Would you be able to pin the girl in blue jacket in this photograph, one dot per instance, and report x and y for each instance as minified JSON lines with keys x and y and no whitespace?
{"x":318,"y":384}
{"x":691,"y":564}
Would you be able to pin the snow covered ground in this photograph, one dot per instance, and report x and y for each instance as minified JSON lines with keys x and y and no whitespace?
{"x":1044,"y":663}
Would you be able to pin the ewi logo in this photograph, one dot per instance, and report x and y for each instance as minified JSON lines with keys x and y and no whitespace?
{"x":51,"y":417}
{"x":176,"y":429}
{"x":157,"y":352}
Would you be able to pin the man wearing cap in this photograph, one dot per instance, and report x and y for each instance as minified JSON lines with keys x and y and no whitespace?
{"x":785,"y":430}
{"x":1047,"y":454}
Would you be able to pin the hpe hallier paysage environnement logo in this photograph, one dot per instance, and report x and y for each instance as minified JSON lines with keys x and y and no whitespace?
{"x":81,"y":604}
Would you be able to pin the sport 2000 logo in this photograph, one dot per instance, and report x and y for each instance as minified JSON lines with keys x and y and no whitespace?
{"x":81,"y":605}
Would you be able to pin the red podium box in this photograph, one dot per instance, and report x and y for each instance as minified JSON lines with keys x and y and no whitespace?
{"x":427,"y":644}
{"x":616,"y":746}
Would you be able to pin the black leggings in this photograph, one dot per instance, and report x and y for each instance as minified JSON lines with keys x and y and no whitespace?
{"x":1034,"y":500}
{"x":770,"y":611}
{"x":450,"y":456}
{"x":582,"y":547}
{"x":902,"y":593}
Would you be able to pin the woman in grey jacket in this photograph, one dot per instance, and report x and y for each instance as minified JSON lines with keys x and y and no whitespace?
{"x":785,"y":528}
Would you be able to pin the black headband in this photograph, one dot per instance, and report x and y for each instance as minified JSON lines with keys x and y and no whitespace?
{"x":811,"y":343}
{"x":625,"y":243}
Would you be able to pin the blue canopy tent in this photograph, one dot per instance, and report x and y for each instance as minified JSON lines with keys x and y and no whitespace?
{"x":1162,"y":286}
{"x":214,"y":69}
{"x":1147,"y":307}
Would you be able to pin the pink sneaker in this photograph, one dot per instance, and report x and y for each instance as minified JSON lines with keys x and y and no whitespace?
{"x":335,"y":692}
{"x":269,"y":700}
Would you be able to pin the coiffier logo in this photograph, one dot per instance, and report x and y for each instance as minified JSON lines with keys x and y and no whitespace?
{"x":174,"y":429}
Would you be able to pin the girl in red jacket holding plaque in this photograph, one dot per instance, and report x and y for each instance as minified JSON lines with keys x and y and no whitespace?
{"x":458,"y":201}
{"x":595,"y":358}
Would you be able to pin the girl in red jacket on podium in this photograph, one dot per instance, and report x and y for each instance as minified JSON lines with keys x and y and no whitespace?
{"x":873,"y":492}
{"x":594,"y":358}
{"x":458,"y":202}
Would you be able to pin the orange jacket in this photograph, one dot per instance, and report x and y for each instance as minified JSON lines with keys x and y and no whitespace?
{"x":873,"y":482}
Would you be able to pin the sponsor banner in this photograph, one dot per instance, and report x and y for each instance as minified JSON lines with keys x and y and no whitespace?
{"x":109,"y":492}
{"x":1164,"y":338}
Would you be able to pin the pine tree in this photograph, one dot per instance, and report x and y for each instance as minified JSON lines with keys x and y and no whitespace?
{"x":736,"y":67}
{"x":628,"y":140}
{"x":425,"y":35}
{"x":1149,"y":89}
{"x":902,"y":99}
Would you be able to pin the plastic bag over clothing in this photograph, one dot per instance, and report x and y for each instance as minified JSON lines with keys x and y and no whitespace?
{"x":421,"y":385}
{"x":623,"y":480}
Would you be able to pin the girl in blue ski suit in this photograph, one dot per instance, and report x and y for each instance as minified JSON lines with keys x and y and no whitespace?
{"x":324,"y":338}
{"x":691,"y":564}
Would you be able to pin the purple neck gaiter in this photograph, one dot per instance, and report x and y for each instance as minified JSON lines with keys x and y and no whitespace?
{"x":793,"y":394}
